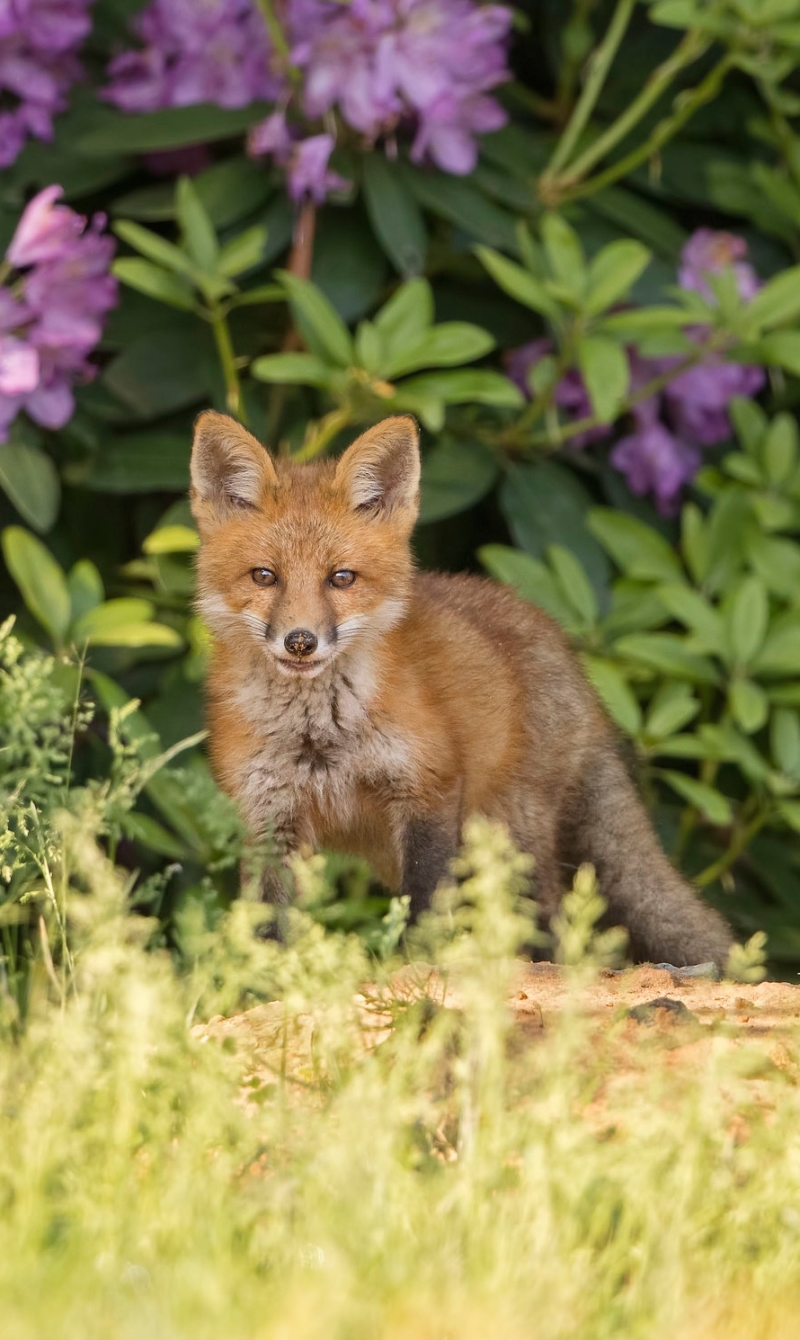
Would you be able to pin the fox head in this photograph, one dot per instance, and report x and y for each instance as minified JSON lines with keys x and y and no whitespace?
{"x":306,"y":560}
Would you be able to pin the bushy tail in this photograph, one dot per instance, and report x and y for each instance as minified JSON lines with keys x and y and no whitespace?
{"x":666,"y":920}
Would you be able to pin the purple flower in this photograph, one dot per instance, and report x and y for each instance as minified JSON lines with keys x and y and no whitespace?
{"x":195,"y":51}
{"x":305,"y":161}
{"x":708,"y":253}
{"x":654,"y":461}
{"x":386,"y":65}
{"x":697,"y":401}
{"x":52,"y":316}
{"x":39,"y":40}
{"x":429,"y":63}
{"x":570,"y":394}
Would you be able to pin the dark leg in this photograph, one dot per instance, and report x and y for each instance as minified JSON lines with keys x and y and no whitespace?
{"x":429,"y":845}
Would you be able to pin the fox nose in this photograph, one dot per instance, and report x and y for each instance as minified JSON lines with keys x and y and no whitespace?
{"x":300,"y":642}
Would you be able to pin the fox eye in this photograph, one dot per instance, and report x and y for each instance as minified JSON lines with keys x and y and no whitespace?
{"x":342,"y":579}
{"x":263,"y":576}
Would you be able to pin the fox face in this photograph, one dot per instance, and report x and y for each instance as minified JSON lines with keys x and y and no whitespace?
{"x":307,"y":559}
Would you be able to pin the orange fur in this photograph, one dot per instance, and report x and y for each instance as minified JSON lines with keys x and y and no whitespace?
{"x":425,"y":697}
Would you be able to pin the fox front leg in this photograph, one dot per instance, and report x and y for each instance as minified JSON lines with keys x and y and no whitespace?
{"x":429,"y":845}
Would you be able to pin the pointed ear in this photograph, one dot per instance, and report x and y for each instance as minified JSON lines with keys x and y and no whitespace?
{"x":230,"y":469}
{"x":380,"y":471}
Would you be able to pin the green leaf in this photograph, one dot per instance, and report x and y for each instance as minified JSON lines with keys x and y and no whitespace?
{"x":780,"y":653}
{"x":445,"y":345}
{"x":780,"y":349}
{"x":157,"y":373}
{"x":618,"y":699}
{"x":564,"y":253}
{"x":121,"y":133}
{"x":544,"y":503}
{"x":518,"y":283}
{"x":778,"y":300}
{"x":319,"y":323}
{"x":395,"y":215}
{"x":779,"y":448}
{"x":481,"y":386}
{"x":573,"y":583}
{"x":250,"y":297}
{"x":156,"y":248}
{"x":30,"y":479}
{"x":695,"y":612}
{"x":244,"y":252}
{"x":403,"y":320}
{"x":749,"y":422}
{"x":784,"y":734}
{"x":531,"y":579}
{"x":604,"y":367}
{"x":455,"y":475}
{"x":171,"y":539}
{"x":706,"y":799}
{"x":747,"y":619}
{"x":110,"y":616}
{"x":672,"y":708}
{"x":613,"y":271}
{"x":459,"y":201}
{"x":138,"y":635}
{"x":749,"y":705}
{"x":777,"y":562}
{"x":667,"y":654}
{"x":155,"y":282}
{"x":303,"y":369}
{"x":85,"y":587}
{"x":40,"y":579}
{"x":139,"y":463}
{"x":635,"y":547}
{"x":143,"y":828}
{"x":196,"y":227}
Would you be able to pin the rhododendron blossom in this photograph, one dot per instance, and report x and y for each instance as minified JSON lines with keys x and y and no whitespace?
{"x":387,"y":67}
{"x":663,"y":449}
{"x":57,"y":292}
{"x":39,"y":40}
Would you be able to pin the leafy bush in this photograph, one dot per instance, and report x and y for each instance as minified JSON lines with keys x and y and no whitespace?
{"x":566,"y":239}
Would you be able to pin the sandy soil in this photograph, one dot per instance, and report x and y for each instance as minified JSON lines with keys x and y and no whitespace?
{"x":681,"y":1017}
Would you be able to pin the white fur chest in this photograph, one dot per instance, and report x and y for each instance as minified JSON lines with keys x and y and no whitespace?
{"x":314,"y":740}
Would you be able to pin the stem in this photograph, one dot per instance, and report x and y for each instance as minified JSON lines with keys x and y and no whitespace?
{"x":740,"y":842}
{"x":227,"y":358}
{"x":567,"y":431}
{"x":274,"y":28}
{"x":320,"y":437}
{"x":686,"y":53}
{"x":690,"y":102}
{"x":599,"y":66}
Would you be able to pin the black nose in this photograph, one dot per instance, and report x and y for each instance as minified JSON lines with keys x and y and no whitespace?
{"x":300,"y":642}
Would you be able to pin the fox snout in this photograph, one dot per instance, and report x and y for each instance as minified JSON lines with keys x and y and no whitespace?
{"x":300,"y":642}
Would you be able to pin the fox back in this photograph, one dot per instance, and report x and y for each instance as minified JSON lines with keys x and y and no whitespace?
{"x":356,"y":704}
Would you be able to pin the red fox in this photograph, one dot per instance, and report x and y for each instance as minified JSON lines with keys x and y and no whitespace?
{"x":356,"y":704}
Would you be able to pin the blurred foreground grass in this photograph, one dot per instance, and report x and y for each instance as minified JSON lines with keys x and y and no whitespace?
{"x":411,"y":1173}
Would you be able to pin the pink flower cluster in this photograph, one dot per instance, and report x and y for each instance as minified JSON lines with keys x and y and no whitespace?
{"x":55,"y":293}
{"x":669,"y":430}
{"x":39,"y":40}
{"x":384,"y":66}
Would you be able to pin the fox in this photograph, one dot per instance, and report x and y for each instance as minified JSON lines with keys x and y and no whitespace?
{"x":357,"y":704}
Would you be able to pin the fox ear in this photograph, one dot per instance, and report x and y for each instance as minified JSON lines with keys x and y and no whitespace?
{"x":230,"y":469}
{"x":380,"y":471}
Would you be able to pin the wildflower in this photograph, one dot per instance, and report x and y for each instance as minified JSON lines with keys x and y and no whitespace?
{"x":708,"y":253}
{"x":51,"y":314}
{"x":425,"y":66}
{"x":195,"y":51}
{"x":39,"y":40}
{"x":430,"y":62}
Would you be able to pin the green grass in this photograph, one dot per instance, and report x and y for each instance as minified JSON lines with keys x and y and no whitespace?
{"x":436,"y":1178}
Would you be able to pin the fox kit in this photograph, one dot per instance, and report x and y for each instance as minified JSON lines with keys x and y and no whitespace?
{"x":359,"y":705}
